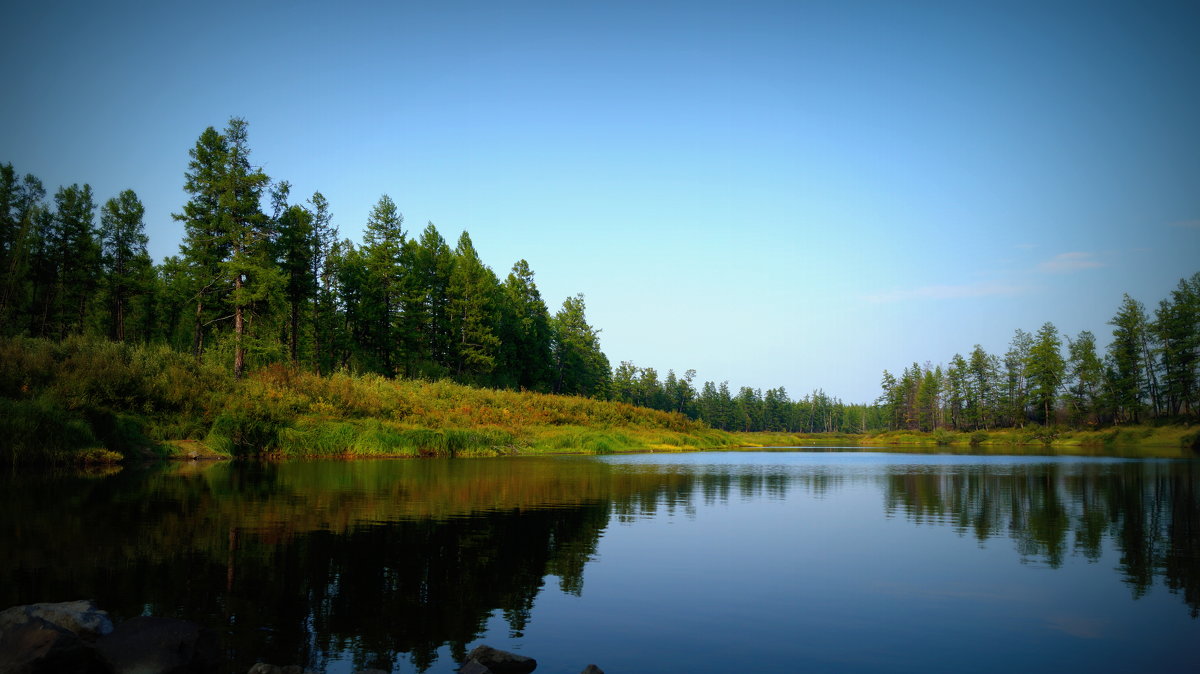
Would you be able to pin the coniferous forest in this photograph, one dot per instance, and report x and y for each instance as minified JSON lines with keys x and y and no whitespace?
{"x":263,"y":279}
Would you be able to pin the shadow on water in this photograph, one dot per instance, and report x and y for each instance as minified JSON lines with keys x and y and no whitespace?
{"x":384,"y":561}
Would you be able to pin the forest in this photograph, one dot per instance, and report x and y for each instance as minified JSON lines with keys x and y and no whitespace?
{"x":263,"y":279}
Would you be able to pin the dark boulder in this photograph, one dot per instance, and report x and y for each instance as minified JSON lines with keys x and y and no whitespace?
{"x":81,"y":617}
{"x":37,"y":646}
{"x":160,"y":646}
{"x":592,"y":669}
{"x":501,"y":662}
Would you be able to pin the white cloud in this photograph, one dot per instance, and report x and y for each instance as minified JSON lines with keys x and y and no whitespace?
{"x":949,"y":292}
{"x":1069,"y":262}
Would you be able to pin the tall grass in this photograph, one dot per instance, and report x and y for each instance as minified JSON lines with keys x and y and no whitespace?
{"x":84,"y":395}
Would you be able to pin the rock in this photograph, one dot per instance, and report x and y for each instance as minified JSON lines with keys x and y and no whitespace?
{"x":371,"y":671}
{"x":34,"y":646}
{"x":592,"y":669}
{"x":81,"y":617}
{"x":473,"y":667}
{"x":501,"y":662}
{"x":160,"y":646}
{"x":264,"y":668}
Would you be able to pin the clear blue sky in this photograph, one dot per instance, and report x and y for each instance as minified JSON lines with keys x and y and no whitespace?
{"x":795,"y":193}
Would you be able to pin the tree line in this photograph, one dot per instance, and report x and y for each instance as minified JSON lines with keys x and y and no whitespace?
{"x":1149,"y":371}
{"x":252,"y":286}
{"x":262,"y":277}
{"x":749,"y":409}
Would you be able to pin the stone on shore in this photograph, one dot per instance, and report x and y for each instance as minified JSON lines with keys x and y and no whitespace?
{"x":80,"y":617}
{"x":146,"y":645}
{"x":34,"y":646}
{"x":501,"y":662}
{"x":592,"y":669}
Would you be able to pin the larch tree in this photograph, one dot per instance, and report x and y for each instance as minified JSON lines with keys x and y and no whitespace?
{"x":324,"y":236}
{"x":1177,"y":329}
{"x":582,"y":368}
{"x":1128,"y":379}
{"x":474,"y":313}
{"x":76,"y":255}
{"x":525,"y":339}
{"x":383,"y":250}
{"x":1085,"y":377}
{"x":206,"y":241}
{"x":1045,"y":368}
{"x":125,"y":260}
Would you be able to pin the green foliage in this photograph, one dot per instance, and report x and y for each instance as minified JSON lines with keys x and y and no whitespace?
{"x":40,"y":431}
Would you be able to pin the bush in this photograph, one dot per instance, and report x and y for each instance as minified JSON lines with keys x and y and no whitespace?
{"x":40,"y":431}
{"x":245,"y":428}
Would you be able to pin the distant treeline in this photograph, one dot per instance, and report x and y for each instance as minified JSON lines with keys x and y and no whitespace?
{"x":1148,"y":372}
{"x":747,"y":410}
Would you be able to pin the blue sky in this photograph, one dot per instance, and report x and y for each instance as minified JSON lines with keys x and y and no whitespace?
{"x":796,"y":193}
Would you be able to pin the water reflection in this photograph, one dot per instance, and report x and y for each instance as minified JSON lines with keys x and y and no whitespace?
{"x":1149,"y":509}
{"x":386,"y":562}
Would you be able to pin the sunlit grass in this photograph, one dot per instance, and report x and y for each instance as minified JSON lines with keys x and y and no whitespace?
{"x":65,"y":398}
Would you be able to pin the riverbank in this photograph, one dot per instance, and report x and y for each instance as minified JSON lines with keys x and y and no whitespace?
{"x":1167,"y":440}
{"x":82,"y":401}
{"x":89,"y":401}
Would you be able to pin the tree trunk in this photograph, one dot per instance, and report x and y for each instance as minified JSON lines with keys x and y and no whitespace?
{"x":198,"y":331}
{"x":294,"y":339}
{"x":239,"y":329}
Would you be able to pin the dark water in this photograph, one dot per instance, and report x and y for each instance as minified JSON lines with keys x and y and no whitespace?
{"x":715,"y":562}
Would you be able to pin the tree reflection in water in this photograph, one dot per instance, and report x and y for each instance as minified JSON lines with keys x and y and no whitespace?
{"x":392,"y":560}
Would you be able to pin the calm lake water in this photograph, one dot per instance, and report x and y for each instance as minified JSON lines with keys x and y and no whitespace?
{"x":829,"y":561}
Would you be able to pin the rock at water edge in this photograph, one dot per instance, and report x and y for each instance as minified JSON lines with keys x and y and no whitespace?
{"x":160,"y":645}
{"x":501,"y":662}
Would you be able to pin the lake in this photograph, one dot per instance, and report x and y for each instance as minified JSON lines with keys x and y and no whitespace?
{"x":813,"y":560}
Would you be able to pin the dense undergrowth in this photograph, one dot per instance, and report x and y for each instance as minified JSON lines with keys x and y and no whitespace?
{"x":82,"y":400}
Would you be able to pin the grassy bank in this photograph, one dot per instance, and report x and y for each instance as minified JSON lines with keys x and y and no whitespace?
{"x":84,"y":400}
{"x":1173,"y":439}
